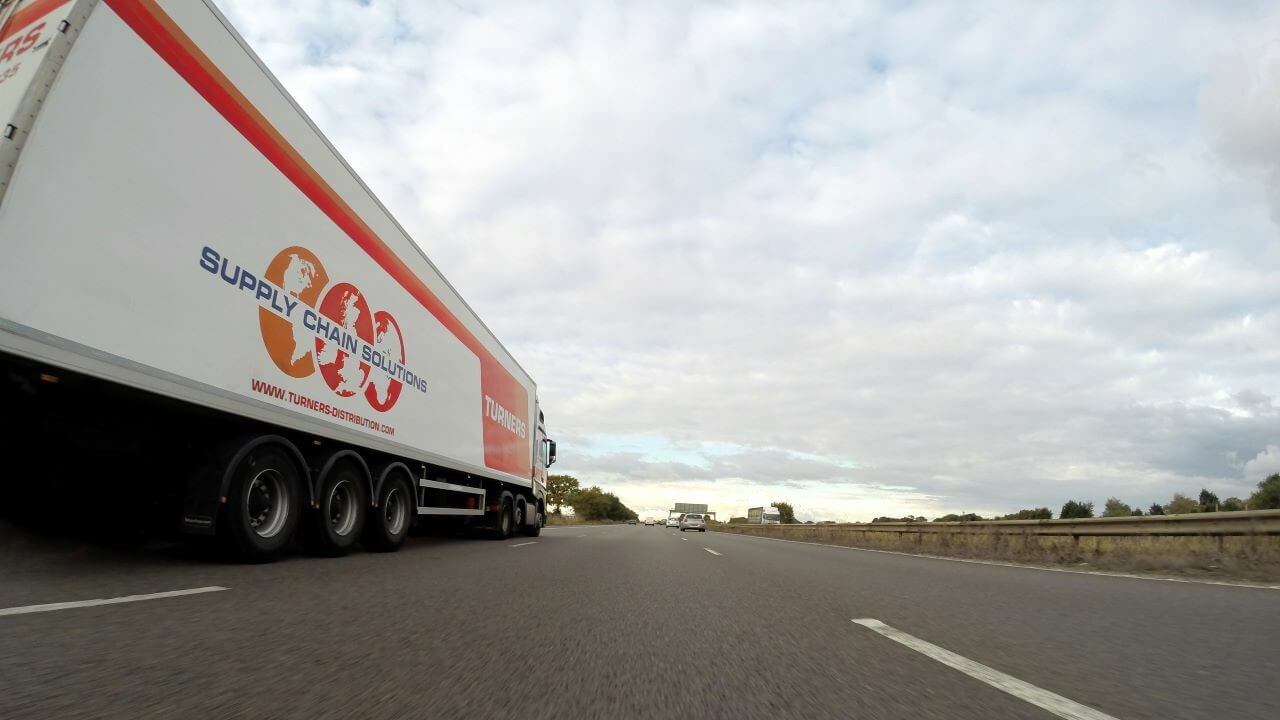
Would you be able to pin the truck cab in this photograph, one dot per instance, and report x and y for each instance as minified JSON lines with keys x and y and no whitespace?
{"x":544,"y":451}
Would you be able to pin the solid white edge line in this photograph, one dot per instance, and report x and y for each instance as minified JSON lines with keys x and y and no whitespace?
{"x":50,"y":607}
{"x":997,"y":563}
{"x":531,"y":542}
{"x":713,"y":552}
{"x":1041,"y":698}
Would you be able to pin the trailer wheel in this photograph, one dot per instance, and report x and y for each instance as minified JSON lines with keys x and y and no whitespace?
{"x":262,"y":507}
{"x":338,"y":522}
{"x":387,"y":526}
{"x":535,"y":529}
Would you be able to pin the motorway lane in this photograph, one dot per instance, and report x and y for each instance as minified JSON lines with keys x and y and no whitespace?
{"x":1135,"y":648}
{"x":611,"y":621}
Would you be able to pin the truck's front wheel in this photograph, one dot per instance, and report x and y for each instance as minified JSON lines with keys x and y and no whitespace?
{"x":262,"y":508}
{"x":522,"y":510}
{"x":506,"y":521}
{"x":535,"y":529}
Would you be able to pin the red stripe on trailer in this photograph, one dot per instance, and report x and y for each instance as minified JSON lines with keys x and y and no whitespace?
{"x":28,"y":14}
{"x":503,"y":450}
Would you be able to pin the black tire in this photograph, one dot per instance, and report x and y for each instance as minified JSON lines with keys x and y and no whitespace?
{"x":702,"y":530}
{"x":387,"y":525}
{"x":263,"y":505}
{"x":506,"y":520}
{"x":535,"y":529}
{"x":334,"y":527}
{"x":521,"y":509}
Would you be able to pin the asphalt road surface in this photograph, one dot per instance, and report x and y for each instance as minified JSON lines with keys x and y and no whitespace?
{"x":615,"y":622}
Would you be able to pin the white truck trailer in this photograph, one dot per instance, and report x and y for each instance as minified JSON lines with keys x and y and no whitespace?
{"x":207,"y":318}
{"x":764,"y":516}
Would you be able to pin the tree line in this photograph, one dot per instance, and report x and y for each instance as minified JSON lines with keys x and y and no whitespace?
{"x":588,"y":503}
{"x":595,"y":504}
{"x":1266,"y":497}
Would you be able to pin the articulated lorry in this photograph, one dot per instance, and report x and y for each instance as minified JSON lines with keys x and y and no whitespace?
{"x":764,"y":516}
{"x":210,"y":324}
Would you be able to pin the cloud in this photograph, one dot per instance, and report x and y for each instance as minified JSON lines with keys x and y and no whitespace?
{"x":1241,"y":106}
{"x":1255,"y":402}
{"x":1263,"y":465}
{"x":883,"y":259}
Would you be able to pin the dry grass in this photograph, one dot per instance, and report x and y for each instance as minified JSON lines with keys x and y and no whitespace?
{"x":1248,"y":557}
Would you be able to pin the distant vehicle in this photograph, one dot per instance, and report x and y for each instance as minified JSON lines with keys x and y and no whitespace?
{"x":673,"y":522}
{"x":692,"y":521}
{"x":650,"y":521}
{"x":632,"y":521}
{"x":764,"y":516}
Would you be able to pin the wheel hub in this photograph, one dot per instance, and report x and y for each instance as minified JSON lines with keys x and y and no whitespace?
{"x":342,"y":508}
{"x":266,"y":503}
{"x":394,"y":512}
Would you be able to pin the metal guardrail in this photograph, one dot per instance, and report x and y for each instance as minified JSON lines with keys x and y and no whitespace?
{"x":1248,"y":522}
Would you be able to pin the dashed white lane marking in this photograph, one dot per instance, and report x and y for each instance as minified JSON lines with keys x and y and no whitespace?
{"x":50,"y":607}
{"x":1041,"y":698}
{"x":713,"y":552}
{"x":531,"y":542}
{"x":684,"y":539}
{"x":998,"y":563}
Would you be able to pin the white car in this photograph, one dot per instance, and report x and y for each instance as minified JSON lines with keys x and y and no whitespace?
{"x":672,"y":522}
{"x":650,"y":521}
{"x":692,"y":521}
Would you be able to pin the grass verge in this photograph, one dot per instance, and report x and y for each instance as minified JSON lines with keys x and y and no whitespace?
{"x":1246,"y":557}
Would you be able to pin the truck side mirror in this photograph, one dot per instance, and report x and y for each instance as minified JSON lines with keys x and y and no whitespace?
{"x":551,"y":453}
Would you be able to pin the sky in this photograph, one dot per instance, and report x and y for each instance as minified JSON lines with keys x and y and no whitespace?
{"x":877,"y":258}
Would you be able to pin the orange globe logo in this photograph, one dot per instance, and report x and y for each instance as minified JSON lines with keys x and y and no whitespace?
{"x":340,"y":335}
{"x":300,"y":274}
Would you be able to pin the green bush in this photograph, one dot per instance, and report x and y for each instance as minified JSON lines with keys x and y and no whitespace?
{"x":786,"y":512}
{"x":1075,"y":510}
{"x":1181,"y":505}
{"x":1043,"y":513}
{"x":559,"y":488}
{"x":1268,"y":495}
{"x":1208,"y":501}
{"x":1115,"y":508}
{"x":596,"y":504}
